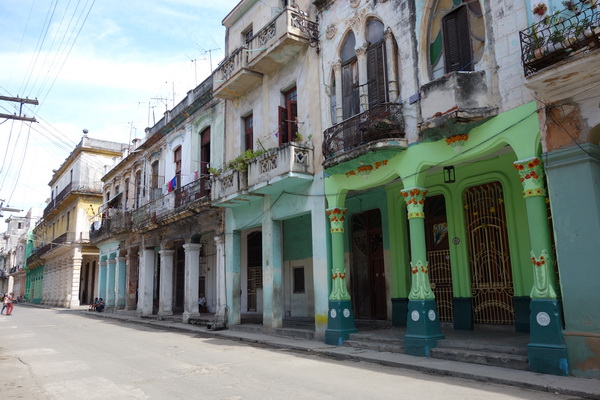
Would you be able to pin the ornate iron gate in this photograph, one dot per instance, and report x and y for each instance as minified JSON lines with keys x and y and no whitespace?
{"x":489,"y":257}
{"x":440,"y":277}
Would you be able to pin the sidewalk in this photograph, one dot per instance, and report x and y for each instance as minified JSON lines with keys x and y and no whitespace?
{"x":581,"y":387}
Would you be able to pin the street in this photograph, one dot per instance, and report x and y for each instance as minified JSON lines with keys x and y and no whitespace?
{"x":53,"y":354}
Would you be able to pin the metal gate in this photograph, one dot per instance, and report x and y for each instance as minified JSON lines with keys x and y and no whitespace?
{"x":438,"y":255}
{"x":489,"y":257}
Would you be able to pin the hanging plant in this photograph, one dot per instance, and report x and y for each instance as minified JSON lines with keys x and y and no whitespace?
{"x":540,"y":9}
{"x":570,"y":5}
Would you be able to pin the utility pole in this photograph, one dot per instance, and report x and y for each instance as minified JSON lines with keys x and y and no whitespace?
{"x":2,"y":208}
{"x":22,"y":101}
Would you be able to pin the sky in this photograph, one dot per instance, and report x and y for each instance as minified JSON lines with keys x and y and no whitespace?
{"x":109,"y":66}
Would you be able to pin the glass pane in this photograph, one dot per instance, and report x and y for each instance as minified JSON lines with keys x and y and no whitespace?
{"x":374,"y":31}
{"x":348,"y":48}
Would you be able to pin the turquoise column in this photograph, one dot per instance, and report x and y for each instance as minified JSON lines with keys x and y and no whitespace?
{"x":102,"y":274}
{"x":423,"y":328}
{"x":547,"y":352}
{"x":110,"y":281}
{"x":340,"y":323}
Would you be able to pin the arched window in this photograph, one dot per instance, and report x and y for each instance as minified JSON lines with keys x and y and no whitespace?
{"x":177,"y":161}
{"x":350,"y":95}
{"x":138,"y":189}
{"x":456,"y":36}
{"x":376,"y":68}
{"x":333,"y":99}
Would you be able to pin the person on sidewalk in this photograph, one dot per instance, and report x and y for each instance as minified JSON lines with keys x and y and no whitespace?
{"x":202,"y":304}
{"x":4,"y":303}
{"x":100,"y":305}
{"x":9,"y":304}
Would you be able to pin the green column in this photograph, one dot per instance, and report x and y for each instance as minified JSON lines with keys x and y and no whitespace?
{"x":547,"y":352}
{"x":423,"y":328}
{"x":340,"y":323}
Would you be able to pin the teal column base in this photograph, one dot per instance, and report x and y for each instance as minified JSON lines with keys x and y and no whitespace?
{"x":340,"y":323}
{"x":546,"y":351}
{"x":399,"y":311}
{"x":423,"y":328}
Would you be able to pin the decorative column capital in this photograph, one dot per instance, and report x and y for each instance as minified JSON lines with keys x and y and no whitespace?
{"x":192,"y":246}
{"x":166,"y":253}
{"x":337,"y":66}
{"x":336,"y":218}
{"x":361,"y":51}
{"x":531,"y":172}
{"x":415,"y":201}
{"x":543,"y":266}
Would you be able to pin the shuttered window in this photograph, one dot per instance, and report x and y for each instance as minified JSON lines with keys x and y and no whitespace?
{"x":350,"y":96}
{"x":376,"y":73}
{"x":204,"y":152}
{"x":288,"y":117}
{"x":458,"y":55}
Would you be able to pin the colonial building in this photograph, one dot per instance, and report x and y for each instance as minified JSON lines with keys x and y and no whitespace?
{"x":61,"y":269}
{"x":161,"y":243}
{"x":434,"y":174}
{"x":560,"y":56}
{"x":271,"y":184}
{"x":12,"y":254}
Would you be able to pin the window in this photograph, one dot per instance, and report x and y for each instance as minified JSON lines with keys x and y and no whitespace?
{"x":20,"y":225}
{"x":204,"y":152}
{"x":247,"y":35}
{"x":333,"y":100}
{"x":154,"y":172}
{"x":376,"y":64}
{"x":350,"y":95}
{"x":68,"y":220}
{"x":299,"y":280}
{"x":177,"y":161}
{"x":248,"y":132}
{"x":456,"y":36}
{"x":288,"y":117}
{"x":126,"y":194}
{"x":138,"y":189}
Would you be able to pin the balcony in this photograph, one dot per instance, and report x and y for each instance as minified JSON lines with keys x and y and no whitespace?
{"x":454,"y":104}
{"x":280,"y":41}
{"x":380,"y":129}
{"x":276,"y":44}
{"x":174,"y":206}
{"x":61,"y":241}
{"x":115,"y":223}
{"x":230,"y":189}
{"x":283,"y":169}
{"x":566,"y":34}
{"x":233,"y":77}
{"x":70,"y":188}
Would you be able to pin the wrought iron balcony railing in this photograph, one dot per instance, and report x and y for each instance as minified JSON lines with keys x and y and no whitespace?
{"x":95,"y":189}
{"x":561,"y":35}
{"x":381,"y":122}
{"x":113,"y":224}
{"x":172,"y":203}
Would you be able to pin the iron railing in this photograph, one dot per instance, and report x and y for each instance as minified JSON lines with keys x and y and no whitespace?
{"x":381,"y":122}
{"x":560,"y":35}
{"x":114,"y":224}
{"x":172,"y":202}
{"x":68,"y":189}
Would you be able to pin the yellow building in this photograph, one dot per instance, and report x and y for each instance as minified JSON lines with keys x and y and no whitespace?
{"x":63,"y":268}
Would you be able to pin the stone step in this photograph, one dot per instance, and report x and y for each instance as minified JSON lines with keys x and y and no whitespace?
{"x":504,"y":360}
{"x":284,"y":332}
{"x":482,"y":346}
{"x":383,"y":345}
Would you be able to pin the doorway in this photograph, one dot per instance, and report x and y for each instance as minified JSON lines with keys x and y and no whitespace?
{"x":368,"y":269}
{"x":438,"y":255}
{"x":254,"y":269}
{"x":489,"y":257}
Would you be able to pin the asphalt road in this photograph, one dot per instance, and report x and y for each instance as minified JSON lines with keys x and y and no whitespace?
{"x":51,"y":354}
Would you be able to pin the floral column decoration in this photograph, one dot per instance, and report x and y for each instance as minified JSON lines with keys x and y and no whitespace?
{"x":337,"y":217}
{"x":415,"y":202}
{"x":531,"y":174}
{"x":546,"y":350}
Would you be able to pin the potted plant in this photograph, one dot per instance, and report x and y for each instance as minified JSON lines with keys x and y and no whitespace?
{"x":556,"y":38}
{"x":537,"y":43}
{"x":571,"y":6}
{"x":540,"y":9}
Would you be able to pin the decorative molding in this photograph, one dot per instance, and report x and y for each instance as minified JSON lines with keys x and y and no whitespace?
{"x":415,"y":201}
{"x":532,"y":173}
{"x":336,"y":218}
{"x":356,"y":21}
{"x":543,"y":266}
{"x":354,"y":3}
{"x":331,"y":31}
{"x":361,"y":51}
{"x":420,"y":288}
